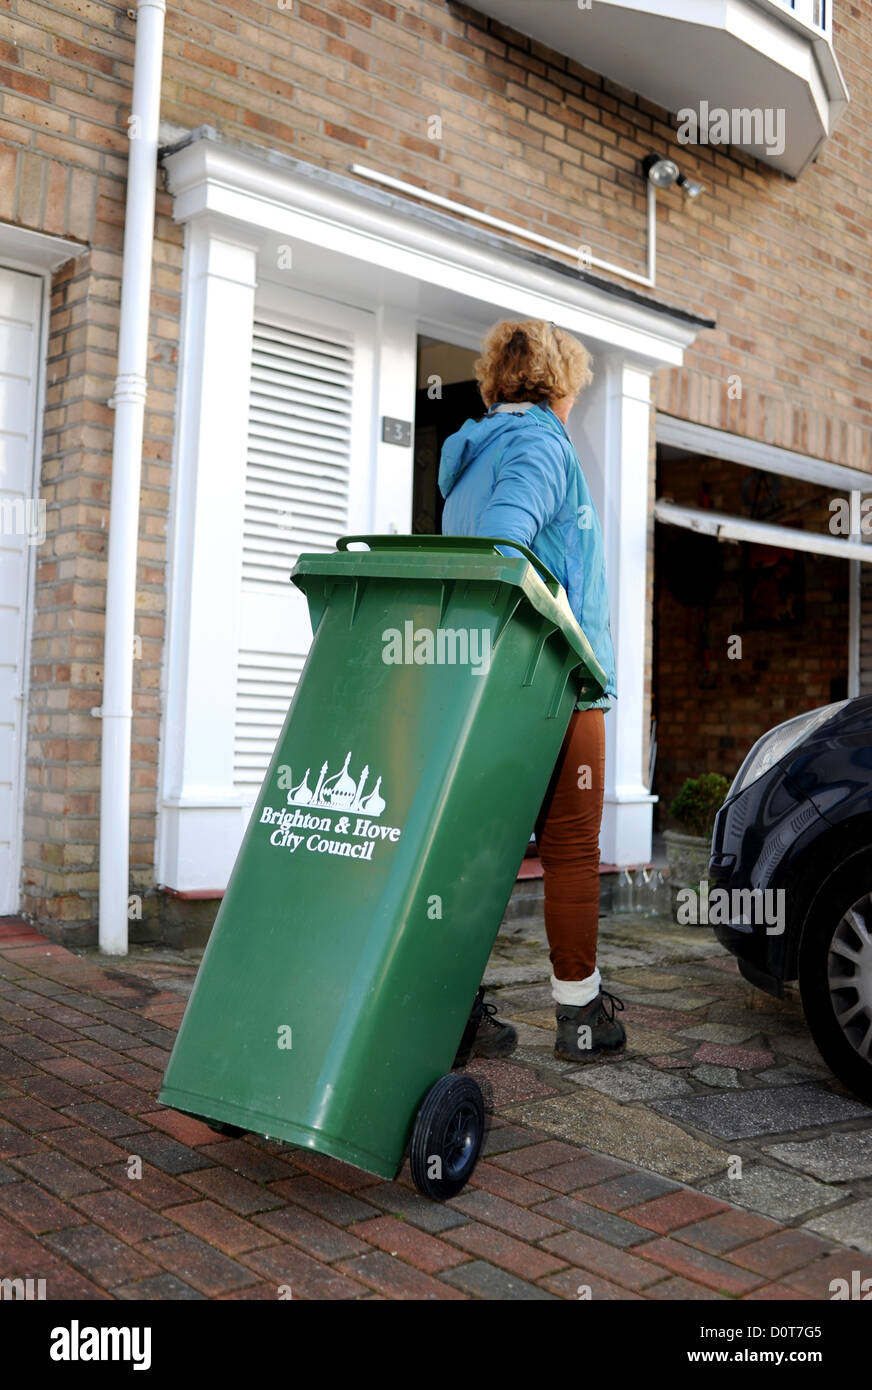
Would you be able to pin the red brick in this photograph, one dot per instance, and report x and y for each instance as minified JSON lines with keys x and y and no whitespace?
{"x":699,"y":1266}
{"x":674,"y":1209}
{"x":509,"y":1185}
{"x":219,"y":1227}
{"x":815,"y":1279}
{"x":182,"y":1127}
{"x":100,"y":1256}
{"x":726,"y":1231}
{"x":229,"y":1190}
{"x":582,"y":1286}
{"x":681,"y":1290}
{"x":495,"y":1211}
{"x":417,"y":1248}
{"x":332,"y":1171}
{"x":320,"y":1239}
{"x":86,"y":1147}
{"x":606,"y":1260}
{"x":131,"y":1221}
{"x":248,"y":1161}
{"x":58,"y":1173}
{"x":205,"y":1269}
{"x":536,"y":1156}
{"x":30,"y":1115}
{"x":780,"y":1252}
{"x":527,"y":1261}
{"x":775,"y":1293}
{"x":397,"y":1279}
{"x":34,"y":1209}
{"x":580,"y":1172}
{"x":283,"y":1265}
{"x":158,"y":1190}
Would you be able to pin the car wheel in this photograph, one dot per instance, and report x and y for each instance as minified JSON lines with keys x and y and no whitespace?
{"x":835,"y":974}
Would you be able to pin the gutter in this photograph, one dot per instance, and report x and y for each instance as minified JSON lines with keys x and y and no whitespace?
{"x":128,"y":400}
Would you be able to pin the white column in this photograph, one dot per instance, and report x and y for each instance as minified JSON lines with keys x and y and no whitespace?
{"x":396,"y":365}
{"x":201,"y":814}
{"x":610,"y":427}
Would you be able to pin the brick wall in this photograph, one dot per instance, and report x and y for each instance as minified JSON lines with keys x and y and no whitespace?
{"x":526,"y":134}
{"x":711,"y":708}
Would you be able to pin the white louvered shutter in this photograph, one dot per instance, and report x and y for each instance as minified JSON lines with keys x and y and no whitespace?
{"x":309,"y":398}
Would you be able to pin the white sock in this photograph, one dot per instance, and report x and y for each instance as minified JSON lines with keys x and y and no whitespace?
{"x":576,"y":992}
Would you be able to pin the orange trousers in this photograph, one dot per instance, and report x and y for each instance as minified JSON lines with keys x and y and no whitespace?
{"x":567,"y":837}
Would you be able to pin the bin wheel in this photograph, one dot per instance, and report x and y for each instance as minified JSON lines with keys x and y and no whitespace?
{"x":220,"y":1127}
{"x":447,"y":1137}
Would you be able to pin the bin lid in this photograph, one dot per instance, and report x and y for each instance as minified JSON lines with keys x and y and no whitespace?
{"x":458,"y":557}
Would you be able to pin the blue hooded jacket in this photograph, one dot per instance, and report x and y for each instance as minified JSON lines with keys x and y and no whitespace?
{"x":515,"y":474}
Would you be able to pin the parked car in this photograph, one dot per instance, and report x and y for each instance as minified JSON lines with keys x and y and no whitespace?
{"x":797,"y":826}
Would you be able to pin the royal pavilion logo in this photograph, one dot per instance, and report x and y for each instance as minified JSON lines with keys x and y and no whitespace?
{"x":339,"y":792}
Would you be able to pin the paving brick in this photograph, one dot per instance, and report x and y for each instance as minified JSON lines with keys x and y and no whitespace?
{"x":726,"y":1231}
{"x":411,"y":1206}
{"x":604,"y":1225}
{"x":159,"y":1288}
{"x":153,"y":1187}
{"x":776,"y":1293}
{"x":628,"y":1190}
{"x":50,"y":1090}
{"x":58,"y":1173}
{"x":495,"y":1211}
{"x":323,"y":1199}
{"x":12,"y":1067}
{"x":126,"y":1218}
{"x":815,"y":1279}
{"x":531,"y":1157}
{"x":396,"y":1279}
{"x":220,"y":1227}
{"x":130,"y":1099}
{"x":104,"y":1119}
{"x":99,"y":1255}
{"x":681,"y":1290}
{"x":425,"y":1252}
{"x":231,"y":1190}
{"x":248,"y":1161}
{"x":486,"y":1281}
{"x":321,"y":1239}
{"x":32,"y":1116}
{"x":699,"y":1266}
{"x":8,"y":1174}
{"x":194,"y":1261}
{"x":77,"y":1072}
{"x":780,"y":1252}
{"x":675,"y":1209}
{"x":107,"y":1036}
{"x":606,"y":1260}
{"x":17,"y":1141}
{"x":283,"y":1265}
{"x":527,"y":1261}
{"x":332,"y":1171}
{"x":166,"y":1153}
{"x":501,"y":1140}
{"x":580,"y":1172}
{"x":509,"y":1185}
{"x":36,"y":1210}
{"x":85,"y":1146}
{"x":182,"y":1127}
{"x":581,"y":1285}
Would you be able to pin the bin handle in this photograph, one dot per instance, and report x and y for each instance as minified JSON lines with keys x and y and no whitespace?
{"x":483,"y":545}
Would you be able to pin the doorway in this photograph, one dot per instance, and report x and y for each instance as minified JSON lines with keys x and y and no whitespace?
{"x":447,"y":394}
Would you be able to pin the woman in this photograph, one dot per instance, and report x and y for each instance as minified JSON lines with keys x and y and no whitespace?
{"x":515,"y":474}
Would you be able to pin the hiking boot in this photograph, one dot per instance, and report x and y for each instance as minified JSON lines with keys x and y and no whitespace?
{"x":484,"y":1035}
{"x":586,"y":1031}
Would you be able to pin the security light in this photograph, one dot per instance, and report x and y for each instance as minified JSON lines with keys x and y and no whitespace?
{"x":665,"y":173}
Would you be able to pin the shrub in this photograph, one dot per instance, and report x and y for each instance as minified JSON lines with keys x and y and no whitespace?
{"x":698,"y":802}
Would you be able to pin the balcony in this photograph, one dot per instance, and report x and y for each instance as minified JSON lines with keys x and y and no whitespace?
{"x":760,"y":75}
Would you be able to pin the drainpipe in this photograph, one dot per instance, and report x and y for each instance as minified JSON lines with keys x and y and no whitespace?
{"x":129,"y":402}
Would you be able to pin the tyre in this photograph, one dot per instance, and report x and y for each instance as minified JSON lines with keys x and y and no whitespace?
{"x":447,"y":1137}
{"x":219,"y":1126}
{"x":835,"y":973}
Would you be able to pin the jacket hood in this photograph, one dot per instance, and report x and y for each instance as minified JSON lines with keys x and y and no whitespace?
{"x":462,"y":448}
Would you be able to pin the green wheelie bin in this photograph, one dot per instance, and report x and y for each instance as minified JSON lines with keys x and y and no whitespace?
{"x":381,"y":853}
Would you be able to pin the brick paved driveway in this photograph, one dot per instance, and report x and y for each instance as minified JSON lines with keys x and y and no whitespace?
{"x":83,"y":1044}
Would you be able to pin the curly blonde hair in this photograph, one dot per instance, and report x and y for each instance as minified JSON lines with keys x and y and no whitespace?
{"x":529,"y":361}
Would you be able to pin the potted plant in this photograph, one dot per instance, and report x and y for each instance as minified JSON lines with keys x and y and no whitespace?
{"x":688,"y":850}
